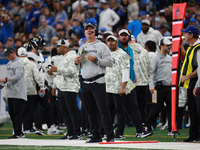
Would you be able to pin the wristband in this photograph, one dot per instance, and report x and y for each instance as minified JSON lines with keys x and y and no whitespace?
{"x":96,"y":60}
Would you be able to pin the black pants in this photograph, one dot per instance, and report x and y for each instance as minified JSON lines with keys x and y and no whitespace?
{"x":115,"y":102}
{"x":163,"y":95}
{"x":84,"y":116}
{"x":53,"y":108}
{"x":45,"y":109}
{"x":68,"y":105}
{"x":32,"y":113}
{"x":16,"y":109}
{"x":94,"y":96}
{"x":141,"y":99}
{"x":194,"y":109}
{"x":131,"y":105}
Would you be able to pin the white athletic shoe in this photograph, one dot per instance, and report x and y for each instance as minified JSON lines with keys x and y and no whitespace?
{"x":52,"y":131}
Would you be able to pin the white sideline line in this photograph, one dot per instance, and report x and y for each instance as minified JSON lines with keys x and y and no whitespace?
{"x":161,"y":145}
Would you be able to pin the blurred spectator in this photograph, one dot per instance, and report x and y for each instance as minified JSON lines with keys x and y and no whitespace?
{"x":68,"y":8}
{"x":18,"y":23}
{"x":135,"y":26}
{"x":107,"y":18}
{"x":28,"y":17}
{"x":106,"y":34}
{"x":164,"y":30}
{"x":61,"y":34}
{"x":46,"y":31}
{"x":76,"y":28}
{"x":48,"y":16}
{"x":192,"y":21}
{"x":13,"y":9}
{"x":60,"y":13}
{"x":89,"y":18}
{"x":90,"y":4}
{"x":77,"y":3}
{"x":35,"y":31}
{"x":54,"y":41}
{"x":18,"y":43}
{"x":73,"y":44}
{"x":77,"y":38}
{"x":50,"y":4}
{"x":198,"y":19}
{"x":36,"y":13}
{"x":78,"y":13}
{"x":133,"y":7}
{"x":23,"y":9}
{"x":123,"y":12}
{"x":142,"y":15}
{"x":7,"y":28}
{"x":148,"y":33}
{"x":9,"y":42}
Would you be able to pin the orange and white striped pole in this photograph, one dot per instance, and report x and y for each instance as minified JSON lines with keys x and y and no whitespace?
{"x":179,"y":10}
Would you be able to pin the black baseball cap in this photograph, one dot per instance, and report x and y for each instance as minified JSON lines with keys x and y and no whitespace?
{"x":8,"y":50}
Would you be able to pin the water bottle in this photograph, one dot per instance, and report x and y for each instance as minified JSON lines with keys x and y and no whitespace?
{"x":41,"y":94}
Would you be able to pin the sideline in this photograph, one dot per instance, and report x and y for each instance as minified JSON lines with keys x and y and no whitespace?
{"x":81,"y":143}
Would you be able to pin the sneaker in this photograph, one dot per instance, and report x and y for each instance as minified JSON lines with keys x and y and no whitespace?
{"x":13,"y":137}
{"x":104,"y":137}
{"x":54,"y":131}
{"x":31,"y":131}
{"x":62,"y":126}
{"x":197,"y":140}
{"x":110,"y":140}
{"x":64,"y":137}
{"x":172,"y":133}
{"x":75,"y":137}
{"x":143,"y":134}
{"x":21,"y":136}
{"x":189,"y":140}
{"x":44,"y":127}
{"x":89,"y":137}
{"x":94,"y":140}
{"x":39,"y":132}
{"x":84,"y":133}
{"x":117,"y":136}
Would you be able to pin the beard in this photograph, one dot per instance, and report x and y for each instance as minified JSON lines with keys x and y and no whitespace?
{"x":145,"y":30}
{"x":124,"y":43}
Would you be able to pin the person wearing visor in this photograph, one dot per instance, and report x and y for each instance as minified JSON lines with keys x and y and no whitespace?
{"x":188,"y":79}
{"x":15,"y":90}
{"x":160,"y":80}
{"x":94,"y":57}
{"x":67,"y":88}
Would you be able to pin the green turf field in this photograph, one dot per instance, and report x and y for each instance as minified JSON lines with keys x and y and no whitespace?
{"x":161,"y":136}
{"x":6,"y":131}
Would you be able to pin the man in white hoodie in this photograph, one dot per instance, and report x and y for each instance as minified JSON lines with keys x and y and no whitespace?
{"x":32,"y":76}
{"x":143,"y":70}
{"x":148,"y":33}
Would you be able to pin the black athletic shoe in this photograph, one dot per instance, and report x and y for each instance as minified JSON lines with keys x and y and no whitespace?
{"x":94,"y":140}
{"x":117,"y":136}
{"x":13,"y":137}
{"x":110,"y":140}
{"x":64,"y":137}
{"x":75,"y":137}
{"x":189,"y":140}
